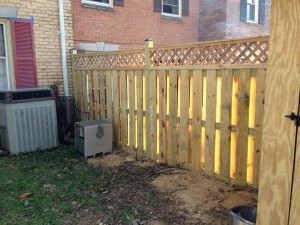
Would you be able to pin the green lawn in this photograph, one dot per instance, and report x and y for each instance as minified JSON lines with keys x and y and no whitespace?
{"x":67,"y":190}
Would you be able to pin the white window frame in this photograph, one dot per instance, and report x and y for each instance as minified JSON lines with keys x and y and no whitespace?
{"x":256,"y":6}
{"x":6,"y":55}
{"x":170,"y":14}
{"x":91,"y":2}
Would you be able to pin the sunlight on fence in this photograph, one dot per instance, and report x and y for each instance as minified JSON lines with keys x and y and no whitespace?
{"x":201,"y":117}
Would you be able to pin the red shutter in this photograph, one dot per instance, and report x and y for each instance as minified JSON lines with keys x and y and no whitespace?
{"x":24,"y":54}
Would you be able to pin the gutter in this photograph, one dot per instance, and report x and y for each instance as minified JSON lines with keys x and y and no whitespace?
{"x":63,"y":46}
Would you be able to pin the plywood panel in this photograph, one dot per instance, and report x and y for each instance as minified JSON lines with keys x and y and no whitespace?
{"x":123,"y":87}
{"x":172,"y":141}
{"x":102,"y":94}
{"x":242,"y":126}
{"x":162,"y":115}
{"x":210,"y":122}
{"x":197,"y":116}
{"x":96,"y":94}
{"x":139,"y":100}
{"x":225,"y":128}
{"x":109,"y":95}
{"x":282,"y":88}
{"x":116,"y":102}
{"x":184,"y":118}
{"x":259,"y":112}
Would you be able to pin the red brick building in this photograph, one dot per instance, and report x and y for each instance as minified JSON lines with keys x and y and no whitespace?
{"x":128,"y":22}
{"x":221,"y":19}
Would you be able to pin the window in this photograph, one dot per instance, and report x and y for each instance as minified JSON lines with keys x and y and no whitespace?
{"x":252,"y":11}
{"x":171,"y":7}
{"x":4,"y":81}
{"x":104,"y":3}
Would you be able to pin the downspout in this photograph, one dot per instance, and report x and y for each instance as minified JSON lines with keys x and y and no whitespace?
{"x":63,"y":46}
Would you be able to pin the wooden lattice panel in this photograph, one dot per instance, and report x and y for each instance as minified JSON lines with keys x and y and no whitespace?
{"x":109,"y":60}
{"x":249,"y":51}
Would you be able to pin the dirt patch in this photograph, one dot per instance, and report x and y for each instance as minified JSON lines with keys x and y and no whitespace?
{"x":156,"y":194}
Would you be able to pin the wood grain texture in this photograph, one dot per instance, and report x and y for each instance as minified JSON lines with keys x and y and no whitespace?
{"x":259,"y":112}
{"x":162,"y":115}
{"x":225,"y":128}
{"x":96,"y":94}
{"x":210,"y":122}
{"x":278,"y":138}
{"x":153,"y":120}
{"x":172,"y":135}
{"x":183,"y":150}
{"x":197,"y":117}
{"x":242,"y":127}
{"x":139,"y":100}
{"x":131,"y":98}
{"x":116,"y":105}
{"x":123,"y":87}
{"x":102,"y":85}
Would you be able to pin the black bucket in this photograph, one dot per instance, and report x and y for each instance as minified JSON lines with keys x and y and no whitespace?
{"x":243,"y":215}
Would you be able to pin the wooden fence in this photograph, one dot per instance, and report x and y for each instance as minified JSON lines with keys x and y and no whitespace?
{"x":199,"y":106}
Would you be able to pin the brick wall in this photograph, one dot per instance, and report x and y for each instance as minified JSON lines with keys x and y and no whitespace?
{"x":131,"y":24}
{"x":220,"y":19}
{"x":47,"y":38}
{"x":236,"y":28}
{"x":212,"y":19}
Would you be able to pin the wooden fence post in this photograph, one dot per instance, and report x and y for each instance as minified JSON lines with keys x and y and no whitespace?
{"x":148,"y":45}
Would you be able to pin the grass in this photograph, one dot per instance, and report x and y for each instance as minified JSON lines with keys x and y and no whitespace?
{"x":67,"y":190}
{"x":61,"y":183}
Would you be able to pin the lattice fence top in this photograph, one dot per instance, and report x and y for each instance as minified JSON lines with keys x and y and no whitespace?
{"x":243,"y":51}
{"x":118,"y":59}
{"x":239,"y":51}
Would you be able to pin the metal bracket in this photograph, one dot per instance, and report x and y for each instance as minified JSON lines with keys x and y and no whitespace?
{"x":295,"y":117}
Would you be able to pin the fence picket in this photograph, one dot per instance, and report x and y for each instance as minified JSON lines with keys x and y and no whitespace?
{"x":123,"y":87}
{"x":183,"y":151}
{"x":210,"y":122}
{"x":259,"y":112}
{"x":116,"y":105}
{"x":131,"y":98}
{"x":225,"y":129}
{"x":109,"y":98}
{"x":153,"y":122}
{"x":197,"y":116}
{"x":96,"y":94}
{"x":102,"y":95}
{"x":79,"y":95}
{"x":242,"y":127}
{"x":162,"y":115}
{"x":139,"y":100}
{"x":172,"y":133}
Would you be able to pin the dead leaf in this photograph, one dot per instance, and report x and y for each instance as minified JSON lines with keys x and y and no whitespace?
{"x":25,"y":195}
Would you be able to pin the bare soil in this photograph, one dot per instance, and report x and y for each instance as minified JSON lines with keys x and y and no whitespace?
{"x":155,"y":194}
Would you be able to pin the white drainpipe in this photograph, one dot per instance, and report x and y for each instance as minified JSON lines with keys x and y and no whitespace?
{"x":63,"y":46}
